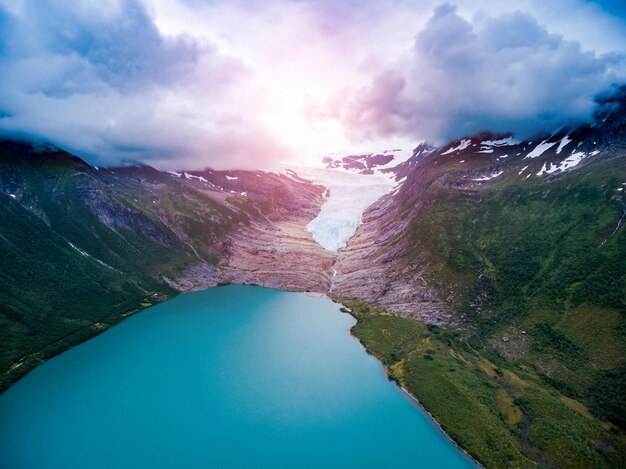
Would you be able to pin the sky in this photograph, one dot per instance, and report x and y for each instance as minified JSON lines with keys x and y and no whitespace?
{"x":188,"y":84}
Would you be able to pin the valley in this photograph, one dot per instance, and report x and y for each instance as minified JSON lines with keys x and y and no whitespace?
{"x":490,"y":280}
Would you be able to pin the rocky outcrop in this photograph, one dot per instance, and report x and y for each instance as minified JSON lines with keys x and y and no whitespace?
{"x":279,"y":255}
{"x":274,"y":250}
{"x":371,"y":268}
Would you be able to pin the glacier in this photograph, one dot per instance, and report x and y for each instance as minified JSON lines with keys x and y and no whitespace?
{"x":349,"y":195}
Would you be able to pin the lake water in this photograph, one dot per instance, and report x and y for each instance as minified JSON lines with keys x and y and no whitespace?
{"x":227,"y":377}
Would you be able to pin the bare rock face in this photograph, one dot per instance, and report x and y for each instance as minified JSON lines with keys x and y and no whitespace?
{"x":199,"y":277}
{"x":280,"y":254}
{"x":275,"y":250}
{"x":371,"y":268}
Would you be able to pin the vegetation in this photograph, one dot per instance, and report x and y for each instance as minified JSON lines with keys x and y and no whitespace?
{"x":504,"y":415}
{"x":532,"y":369}
{"x":81,"y":248}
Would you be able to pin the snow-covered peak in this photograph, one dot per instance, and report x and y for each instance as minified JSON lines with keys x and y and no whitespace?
{"x":367,"y":163}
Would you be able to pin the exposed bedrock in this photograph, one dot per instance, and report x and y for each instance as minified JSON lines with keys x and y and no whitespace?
{"x":371,"y":268}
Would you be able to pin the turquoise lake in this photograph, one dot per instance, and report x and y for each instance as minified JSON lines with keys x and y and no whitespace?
{"x":227,"y":377}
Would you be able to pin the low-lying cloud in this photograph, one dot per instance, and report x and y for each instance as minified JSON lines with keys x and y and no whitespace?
{"x":196,"y":83}
{"x":503,"y":74}
{"x":99,"y":79}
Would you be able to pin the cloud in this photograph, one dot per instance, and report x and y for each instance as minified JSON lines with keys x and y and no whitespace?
{"x":99,"y":79}
{"x":242,"y":83}
{"x":505,"y":74}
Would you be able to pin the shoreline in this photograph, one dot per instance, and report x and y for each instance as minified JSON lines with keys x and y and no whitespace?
{"x":414,"y":400}
{"x":411,"y":397}
{"x":32,"y":360}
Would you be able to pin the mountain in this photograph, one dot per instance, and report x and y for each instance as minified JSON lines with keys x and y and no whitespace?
{"x":385,"y":162}
{"x":81,"y":247}
{"x":511,"y":254}
{"x":491,"y":282}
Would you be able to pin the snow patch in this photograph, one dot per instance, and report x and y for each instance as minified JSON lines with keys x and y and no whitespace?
{"x":461,"y":146}
{"x":540,"y":149}
{"x":501,"y":142}
{"x":564,"y":141}
{"x":568,"y":163}
{"x":193,"y":176}
{"x":232,"y":178}
{"x":547,"y":169}
{"x":522,"y":170}
{"x":572,"y":160}
{"x":174,"y":173}
{"x":488,"y":177}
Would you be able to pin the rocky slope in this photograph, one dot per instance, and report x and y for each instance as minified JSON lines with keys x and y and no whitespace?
{"x":370,"y":269}
{"x":380,"y":263}
{"x":275,"y":249}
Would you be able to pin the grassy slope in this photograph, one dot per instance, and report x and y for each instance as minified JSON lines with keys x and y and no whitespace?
{"x":131,"y":227}
{"x":51,"y":295}
{"x":535,"y":370}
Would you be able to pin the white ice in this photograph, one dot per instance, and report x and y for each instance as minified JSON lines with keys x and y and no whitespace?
{"x":349,"y":196}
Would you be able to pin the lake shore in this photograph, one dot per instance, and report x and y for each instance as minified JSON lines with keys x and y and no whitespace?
{"x":320,"y":388}
{"x":402,"y":386}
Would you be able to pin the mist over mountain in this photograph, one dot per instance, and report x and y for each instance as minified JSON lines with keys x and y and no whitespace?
{"x":119,"y":81}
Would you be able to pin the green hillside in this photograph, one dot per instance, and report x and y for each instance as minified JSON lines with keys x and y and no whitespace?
{"x":82,"y":248}
{"x":533,"y":368}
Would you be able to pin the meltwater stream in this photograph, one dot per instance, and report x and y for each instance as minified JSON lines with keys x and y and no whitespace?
{"x":227,"y":377}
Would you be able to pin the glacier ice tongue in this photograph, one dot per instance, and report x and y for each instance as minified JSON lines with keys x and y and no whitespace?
{"x":349,"y":196}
